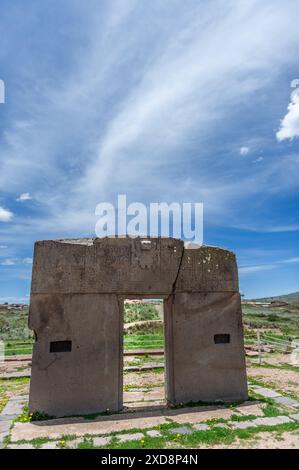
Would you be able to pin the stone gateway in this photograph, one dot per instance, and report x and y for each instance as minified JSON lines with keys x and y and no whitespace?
{"x":76,"y":311}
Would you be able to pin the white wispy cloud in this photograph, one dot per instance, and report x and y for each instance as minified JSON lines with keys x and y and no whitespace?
{"x":266,"y":266}
{"x":256,"y":268}
{"x":244,"y":150}
{"x":292,"y":260}
{"x":16,"y":261}
{"x":24,"y":197}
{"x":5,"y":215}
{"x":8,"y":262}
{"x":289,"y":126}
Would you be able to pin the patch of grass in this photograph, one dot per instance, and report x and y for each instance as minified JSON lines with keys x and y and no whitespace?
{"x":271,"y":409}
{"x":213,"y":436}
{"x":11,"y":387}
{"x":276,"y":366}
{"x":241,"y":418}
{"x":14,"y":325}
{"x":25,"y":416}
{"x":143,"y":341}
{"x":140,"y":312}
{"x":87,"y":443}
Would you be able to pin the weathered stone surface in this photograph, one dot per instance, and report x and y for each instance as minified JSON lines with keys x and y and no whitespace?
{"x":130,"y":437}
{"x":103,"y":425}
{"x":201,"y":427}
{"x":107,"y":265}
{"x":77,"y":294}
{"x":153,"y":433}
{"x":267,"y":392}
{"x":20,"y":446}
{"x":220,"y":425}
{"x":208,"y":269}
{"x":88,"y":379}
{"x":199,"y":414}
{"x":249,"y":408}
{"x":295,"y":416}
{"x":273,"y":421}
{"x":156,"y":393}
{"x":197,"y":368}
{"x":50,"y":445}
{"x":55,"y":429}
{"x":101,"y":441}
{"x":182,"y":430}
{"x":243,"y":424}
{"x":5,"y":426}
{"x":286,"y":401}
{"x":13,"y":407}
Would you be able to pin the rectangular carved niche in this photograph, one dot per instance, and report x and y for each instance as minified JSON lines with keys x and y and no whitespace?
{"x":60,"y":346}
{"x":222,"y":338}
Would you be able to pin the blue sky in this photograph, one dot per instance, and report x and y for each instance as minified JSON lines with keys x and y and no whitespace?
{"x":163,"y":101}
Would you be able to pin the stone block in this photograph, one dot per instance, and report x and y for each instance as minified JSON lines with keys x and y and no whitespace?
{"x":130,"y":437}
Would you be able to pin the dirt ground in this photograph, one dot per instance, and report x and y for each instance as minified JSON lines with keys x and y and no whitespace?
{"x":279,"y":379}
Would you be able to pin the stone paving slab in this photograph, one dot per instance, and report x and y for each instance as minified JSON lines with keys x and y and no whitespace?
{"x":156,"y":393}
{"x":201,"y":427}
{"x":243,"y":424}
{"x":130,"y":437}
{"x":153,"y":433}
{"x":266,"y":392}
{"x":55,"y":428}
{"x":220,"y":425}
{"x":5,"y":426}
{"x":101,"y":441}
{"x":49,"y":445}
{"x":193,"y":417}
{"x":286,"y":401}
{"x":14,"y":407}
{"x":136,"y":406}
{"x":181,"y":430}
{"x":20,"y":446}
{"x":248,"y":408}
{"x":273,"y":421}
{"x":295,"y":416}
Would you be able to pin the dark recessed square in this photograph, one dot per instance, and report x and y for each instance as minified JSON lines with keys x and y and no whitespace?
{"x":60,"y":346}
{"x":222,"y":338}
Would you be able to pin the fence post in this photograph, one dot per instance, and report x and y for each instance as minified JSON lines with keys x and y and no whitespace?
{"x":259,"y":347}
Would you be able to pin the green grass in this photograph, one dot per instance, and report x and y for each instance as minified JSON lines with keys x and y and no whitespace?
{"x":283,"y":319}
{"x":265,"y":365}
{"x":140,"y":312}
{"x":143,"y":341}
{"x":215,"y":435}
{"x":14,"y":324}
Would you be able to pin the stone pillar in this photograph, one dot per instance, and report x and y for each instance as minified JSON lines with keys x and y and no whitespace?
{"x":77,"y":357}
{"x":204,"y":348}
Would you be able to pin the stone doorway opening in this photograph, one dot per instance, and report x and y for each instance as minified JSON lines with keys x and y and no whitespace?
{"x":143,"y":353}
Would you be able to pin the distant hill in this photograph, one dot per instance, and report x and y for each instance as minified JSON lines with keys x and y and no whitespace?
{"x":293,"y":297}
